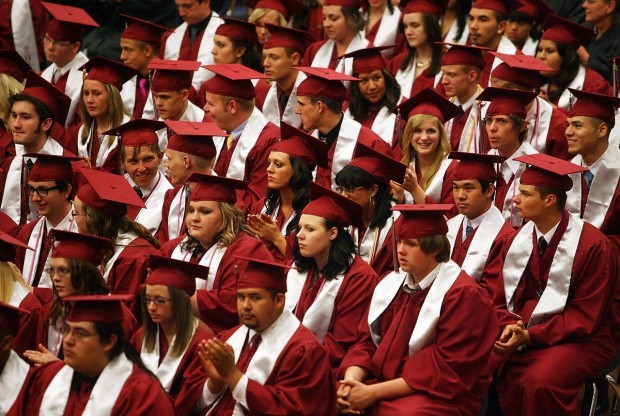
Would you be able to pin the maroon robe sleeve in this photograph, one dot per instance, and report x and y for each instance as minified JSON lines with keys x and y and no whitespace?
{"x":142,"y":394}
{"x":162,"y":233}
{"x":395,"y":63}
{"x":26,"y":338}
{"x":167,"y":248}
{"x":262,"y":88}
{"x":594,"y":82}
{"x":360,"y":354}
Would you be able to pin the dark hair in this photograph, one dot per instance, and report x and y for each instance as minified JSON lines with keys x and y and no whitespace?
{"x":433,"y":31}
{"x":485,"y":185}
{"x":520,"y":17}
{"x":360,"y":107}
{"x":462,"y":14}
{"x":63,"y":186}
{"x":353,"y":18}
{"x":106,"y":331}
{"x":437,"y":242}
{"x":135,"y":151}
{"x":568,"y":70}
{"x":500,"y":17}
{"x":559,"y":194}
{"x":352,"y":176}
{"x":251,"y":58}
{"x":333,"y":105}
{"x":300,"y":185}
{"x":341,"y":253}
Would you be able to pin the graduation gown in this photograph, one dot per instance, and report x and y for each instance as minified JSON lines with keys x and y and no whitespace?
{"x":22,"y":28}
{"x":134,"y":103}
{"x":282,"y":223}
{"x":332,"y":309}
{"x":323,"y":54}
{"x":546,"y":126}
{"x":182,"y":378}
{"x":7,"y":146}
{"x":439,"y":190}
{"x":268,"y":102}
{"x":464,"y":131}
{"x":586,"y":80}
{"x":570,"y":328}
{"x":140,"y":394}
{"x":153,"y":198}
{"x":28,"y":322}
{"x":173,"y":214}
{"x":218,"y":306}
{"x":12,"y":378}
{"x":376,"y":246}
{"x":385,"y":32}
{"x":410,"y":85}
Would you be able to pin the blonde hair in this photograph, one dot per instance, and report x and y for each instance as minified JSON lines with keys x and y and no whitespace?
{"x":116,"y":110}
{"x":258,"y":14}
{"x":8,"y":275}
{"x":9,"y":86}
{"x":409,"y":155}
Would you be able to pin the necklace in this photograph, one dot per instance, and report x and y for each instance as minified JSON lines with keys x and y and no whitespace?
{"x":422,"y":64}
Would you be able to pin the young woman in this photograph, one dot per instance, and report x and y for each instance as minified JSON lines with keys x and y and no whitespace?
{"x":343,"y":24}
{"x":170,"y":332}
{"x":15,"y":292}
{"x":274,"y":219}
{"x":275,"y":12}
{"x":330,"y":287}
{"x":75,"y":269}
{"x":557,"y":48}
{"x":381,"y":28}
{"x":216,"y":233}
{"x":235,"y":42}
{"x":366,"y":180}
{"x":371,"y":99}
{"x":419,"y":66}
{"x":101,"y":109}
{"x":425,"y":148}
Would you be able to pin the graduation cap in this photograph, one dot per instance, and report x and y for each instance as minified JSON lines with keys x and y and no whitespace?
{"x":175,"y":273}
{"x":56,"y":101}
{"x":108,"y":71}
{"x":500,"y":6}
{"x":216,"y":188}
{"x":85,"y":247}
{"x":381,"y":166}
{"x":8,"y":245}
{"x":239,"y":30}
{"x":172,"y":75}
{"x":12,"y":64}
{"x":68,"y":23}
{"x":51,"y":167}
{"x":428,"y":102}
{"x":356,"y":4}
{"x":367,"y":60}
{"x":107,"y":193}
{"x":468,"y":55}
{"x":9,"y":317}
{"x":594,"y":105}
{"x":286,"y":8}
{"x":138,"y":132}
{"x":565,"y":31}
{"x":194,"y":138}
{"x":520,"y":69}
{"x":262,"y":273}
{"x":232,"y":80}
{"x":298,"y":144}
{"x":536,"y":9}
{"x":105,"y":309}
{"x":548,"y":171}
{"x":332,"y":206}
{"x":421,"y":220}
{"x":434,"y":7}
{"x":323,"y":83}
{"x":505,"y":101}
{"x":143,"y":30}
{"x":286,"y":37}
{"x":476,"y":166}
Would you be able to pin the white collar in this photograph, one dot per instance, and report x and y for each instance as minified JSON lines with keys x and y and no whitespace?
{"x":476,"y":221}
{"x":515,"y":164}
{"x":145,"y":191}
{"x":467,"y":104}
{"x":549,"y":235}
{"x":66,"y":220}
{"x":410,"y":284}
{"x":596,"y":165}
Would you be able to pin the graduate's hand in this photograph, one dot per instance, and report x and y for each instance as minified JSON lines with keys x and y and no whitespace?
{"x":263,"y":226}
{"x":215,"y":382}
{"x":223,"y":358}
{"x":360,"y":396}
{"x":411,"y":179}
{"x":40,"y":357}
{"x":344,"y":407}
{"x":397,"y":191}
{"x":513,"y":337}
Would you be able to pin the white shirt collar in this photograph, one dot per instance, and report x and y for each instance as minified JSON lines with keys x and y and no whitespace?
{"x":409,"y":284}
{"x":467,"y":104}
{"x":549,"y":235}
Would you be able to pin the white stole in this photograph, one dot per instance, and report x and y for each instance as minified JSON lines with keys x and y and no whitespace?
{"x":538,"y":122}
{"x":602,"y":189}
{"x":323,"y":56}
{"x":12,"y":379}
{"x":128,"y":95}
{"x":103,"y":396}
{"x":245,"y":143}
{"x":165,"y":371}
{"x":481,"y":243}
{"x":435,"y":187}
{"x":106,"y":145}
{"x":24,"y":38}
{"x":176,"y":215}
{"x":211,"y":259}
{"x":451,"y":35}
{"x":271,"y":106}
{"x":150,"y":216}
{"x":173,"y":48}
{"x":564,"y":103}
{"x":273,"y":341}
{"x":505,"y":46}
{"x":382,"y":296}
{"x":374,"y":238}
{"x":388,"y":29}
{"x":319,"y":314}
{"x":406,"y":77}
{"x":530,"y":47}
{"x":470,"y":136}
{"x":122,"y":241}
{"x":383,"y":124}
{"x":553,"y":299}
{"x":19,"y":294}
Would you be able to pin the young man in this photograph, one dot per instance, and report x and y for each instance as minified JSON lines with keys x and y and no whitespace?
{"x":419,"y":341}
{"x":270,"y":364}
{"x":477,"y":233}
{"x":319,"y":106}
{"x":545,"y":124}
{"x":507,"y":130}
{"x":487,"y":23}
{"x":282,"y":52}
{"x":193,"y":39}
{"x":461,"y":66}
{"x":140,"y":43}
{"x":230,"y":102}
{"x":13,"y":370}
{"x":555,"y":288}
{"x":62,"y":44}
{"x":140,"y":159}
{"x":33,"y":113}
{"x":523,"y":23}
{"x":96,"y":376}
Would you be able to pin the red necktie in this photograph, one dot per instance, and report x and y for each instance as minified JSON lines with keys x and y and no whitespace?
{"x":248,"y":352}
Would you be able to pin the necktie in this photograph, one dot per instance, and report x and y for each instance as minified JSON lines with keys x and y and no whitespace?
{"x":468,"y":229}
{"x":542,"y":245}
{"x":138,"y":191}
{"x":229,"y":141}
{"x":589,"y":178}
{"x":56,"y":76}
{"x":246,"y":355}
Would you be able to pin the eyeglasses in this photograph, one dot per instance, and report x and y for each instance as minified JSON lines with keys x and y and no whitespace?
{"x":41,"y":190}
{"x":158,"y":301}
{"x":348,"y":190}
{"x":56,"y":43}
{"x":59,"y":272}
{"x":76,"y":333}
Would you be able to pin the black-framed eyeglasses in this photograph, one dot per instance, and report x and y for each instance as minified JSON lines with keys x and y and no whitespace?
{"x":41,"y":190}
{"x":158,"y":301}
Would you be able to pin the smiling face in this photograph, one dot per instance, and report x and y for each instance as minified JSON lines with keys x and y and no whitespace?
{"x":141,"y":166}
{"x":308,"y":113}
{"x":584,"y":135}
{"x":54,"y":203}
{"x":372,"y":86}
{"x":425,"y":138}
